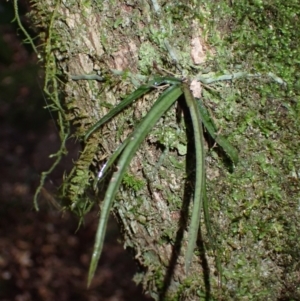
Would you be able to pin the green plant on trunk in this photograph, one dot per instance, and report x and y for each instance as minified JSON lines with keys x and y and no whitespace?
{"x":122,"y":157}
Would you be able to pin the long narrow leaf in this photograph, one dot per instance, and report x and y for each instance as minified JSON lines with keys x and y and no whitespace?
{"x":200,"y":175}
{"x":110,"y":162}
{"x":211,"y":128}
{"x":231,"y":152}
{"x":163,"y":103}
{"x":121,"y":106}
{"x":157,"y":81}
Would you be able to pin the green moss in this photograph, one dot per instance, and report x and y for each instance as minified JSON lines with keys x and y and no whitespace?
{"x":255,"y":209}
{"x":147,"y":55}
{"x":132,"y":182}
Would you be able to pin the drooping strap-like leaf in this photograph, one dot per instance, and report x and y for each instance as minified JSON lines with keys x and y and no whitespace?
{"x":163,"y":103}
{"x":157,"y":81}
{"x":208,"y":123}
{"x":199,"y":176}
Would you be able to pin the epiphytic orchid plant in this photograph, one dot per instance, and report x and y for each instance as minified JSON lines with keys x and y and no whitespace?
{"x":122,"y":157}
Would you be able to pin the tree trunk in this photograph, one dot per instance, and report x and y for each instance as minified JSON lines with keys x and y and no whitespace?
{"x":125,"y":37}
{"x":124,"y":42}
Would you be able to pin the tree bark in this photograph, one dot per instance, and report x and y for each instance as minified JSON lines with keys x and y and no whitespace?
{"x":123,"y":42}
{"x":125,"y":37}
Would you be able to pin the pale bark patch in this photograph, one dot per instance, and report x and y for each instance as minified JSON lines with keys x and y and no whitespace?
{"x":123,"y":57}
{"x":196,"y":88}
{"x":198,"y":48}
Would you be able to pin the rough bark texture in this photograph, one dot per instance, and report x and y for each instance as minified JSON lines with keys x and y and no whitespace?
{"x":89,"y":38}
{"x":94,"y":37}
